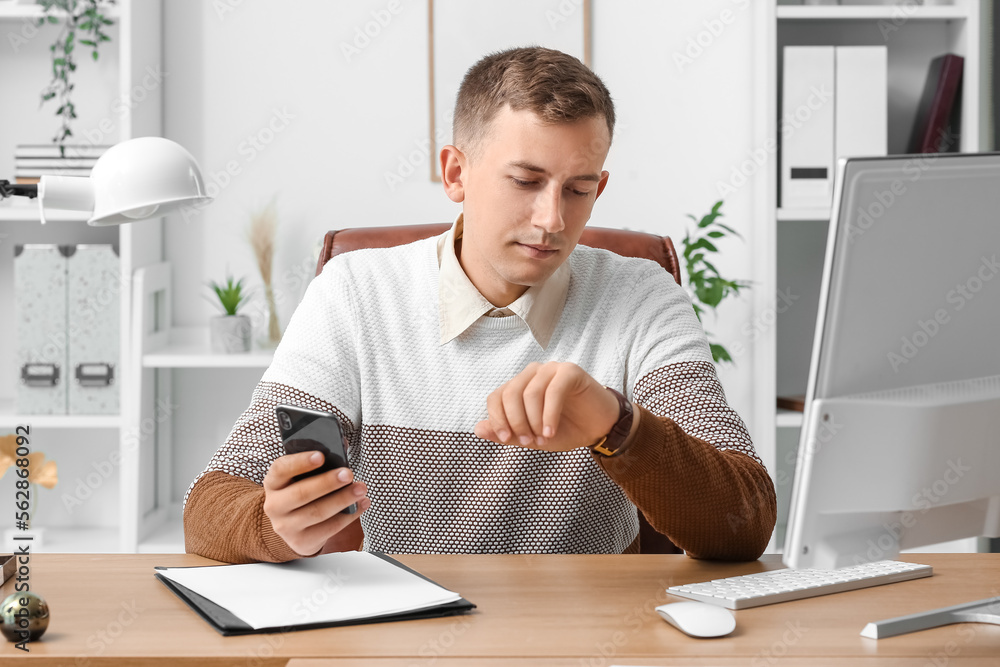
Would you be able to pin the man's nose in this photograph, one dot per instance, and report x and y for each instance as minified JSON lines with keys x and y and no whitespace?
{"x":549,"y":210}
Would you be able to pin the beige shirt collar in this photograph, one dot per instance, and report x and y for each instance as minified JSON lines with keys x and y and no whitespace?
{"x":461,"y":304}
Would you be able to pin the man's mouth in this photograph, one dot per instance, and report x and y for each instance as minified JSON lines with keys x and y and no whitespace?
{"x":538,"y":251}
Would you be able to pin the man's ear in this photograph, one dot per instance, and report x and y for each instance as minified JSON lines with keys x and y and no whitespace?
{"x":453,"y":164}
{"x":602,"y":183}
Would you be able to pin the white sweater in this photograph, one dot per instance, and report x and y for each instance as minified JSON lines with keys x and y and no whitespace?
{"x":364,"y":343}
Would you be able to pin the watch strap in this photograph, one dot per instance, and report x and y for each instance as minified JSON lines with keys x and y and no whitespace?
{"x":612,"y":442}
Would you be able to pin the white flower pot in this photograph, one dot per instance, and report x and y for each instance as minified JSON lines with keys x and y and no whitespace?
{"x":230,"y":334}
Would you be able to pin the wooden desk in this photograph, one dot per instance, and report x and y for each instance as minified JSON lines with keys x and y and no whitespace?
{"x":560,"y":610}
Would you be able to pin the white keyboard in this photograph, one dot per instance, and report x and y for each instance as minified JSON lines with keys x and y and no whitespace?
{"x":754,"y":590}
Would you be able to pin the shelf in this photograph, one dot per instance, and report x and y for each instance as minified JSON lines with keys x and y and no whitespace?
{"x":788,"y":419}
{"x":871,"y":12}
{"x":188,"y":347}
{"x":30,"y":214}
{"x":817,"y":214}
{"x":18,"y":10}
{"x":8,"y":419}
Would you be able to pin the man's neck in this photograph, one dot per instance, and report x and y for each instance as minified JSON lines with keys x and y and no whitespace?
{"x":498,"y":300}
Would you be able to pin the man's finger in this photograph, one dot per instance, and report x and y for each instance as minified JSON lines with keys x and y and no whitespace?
{"x":495,"y":416}
{"x":512,"y":408}
{"x":284,"y":468}
{"x":323,"y":531}
{"x":555,"y":400}
{"x":485,"y":431}
{"x":535,"y":397}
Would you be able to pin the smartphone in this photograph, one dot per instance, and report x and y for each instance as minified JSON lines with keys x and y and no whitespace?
{"x":304,"y":430}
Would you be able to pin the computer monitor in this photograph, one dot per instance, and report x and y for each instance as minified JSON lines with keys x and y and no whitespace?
{"x":900,"y":444}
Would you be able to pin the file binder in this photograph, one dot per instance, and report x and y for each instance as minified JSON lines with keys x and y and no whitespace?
{"x":94,"y":285}
{"x":228,"y":624}
{"x":40,"y":307}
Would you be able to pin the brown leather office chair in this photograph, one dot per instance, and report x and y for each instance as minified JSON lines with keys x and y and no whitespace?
{"x":627,"y":243}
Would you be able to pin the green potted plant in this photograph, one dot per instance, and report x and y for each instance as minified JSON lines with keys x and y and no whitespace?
{"x":705,"y":285}
{"x":83,"y":24}
{"x":230,"y":332}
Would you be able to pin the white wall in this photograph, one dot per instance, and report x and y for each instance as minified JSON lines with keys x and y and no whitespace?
{"x":234,"y":68}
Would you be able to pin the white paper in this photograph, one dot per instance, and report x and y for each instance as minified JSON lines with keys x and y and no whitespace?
{"x":332,"y":587}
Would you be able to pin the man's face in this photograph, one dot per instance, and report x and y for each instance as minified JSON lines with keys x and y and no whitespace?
{"x":526,"y":197}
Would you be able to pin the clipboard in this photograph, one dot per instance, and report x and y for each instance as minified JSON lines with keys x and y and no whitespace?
{"x":227,"y":624}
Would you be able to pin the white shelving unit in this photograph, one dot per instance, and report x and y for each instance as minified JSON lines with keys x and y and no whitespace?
{"x":110,"y":110}
{"x":154,"y":523}
{"x":887,"y":12}
{"x":188,"y":347}
{"x":791,"y":242}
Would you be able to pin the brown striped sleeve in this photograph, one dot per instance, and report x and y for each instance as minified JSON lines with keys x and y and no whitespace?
{"x":224,"y":519}
{"x":691,"y":469}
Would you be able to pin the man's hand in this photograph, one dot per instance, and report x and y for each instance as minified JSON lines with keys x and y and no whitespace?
{"x":555,"y":406}
{"x":306,"y":513}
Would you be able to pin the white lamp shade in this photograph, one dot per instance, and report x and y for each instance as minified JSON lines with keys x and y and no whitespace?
{"x":136,"y":179}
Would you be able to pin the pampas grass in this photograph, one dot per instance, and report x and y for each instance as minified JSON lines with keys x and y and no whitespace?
{"x":263,"y":228}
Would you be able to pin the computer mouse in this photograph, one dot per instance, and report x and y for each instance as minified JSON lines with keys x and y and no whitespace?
{"x":698,"y":619}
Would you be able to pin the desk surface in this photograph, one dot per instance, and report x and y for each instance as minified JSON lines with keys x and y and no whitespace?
{"x":567,"y":610}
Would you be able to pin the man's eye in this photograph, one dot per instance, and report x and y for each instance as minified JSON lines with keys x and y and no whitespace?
{"x":578,"y":192}
{"x":521,"y":184}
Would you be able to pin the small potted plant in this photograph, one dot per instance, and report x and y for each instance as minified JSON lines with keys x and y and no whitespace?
{"x":230,"y":332}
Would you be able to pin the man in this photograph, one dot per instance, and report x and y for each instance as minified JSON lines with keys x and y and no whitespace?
{"x":480,"y":376}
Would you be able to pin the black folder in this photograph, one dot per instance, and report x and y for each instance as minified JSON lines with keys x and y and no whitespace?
{"x":228,"y":625}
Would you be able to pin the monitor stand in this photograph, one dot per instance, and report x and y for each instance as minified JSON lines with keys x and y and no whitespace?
{"x":981,"y":611}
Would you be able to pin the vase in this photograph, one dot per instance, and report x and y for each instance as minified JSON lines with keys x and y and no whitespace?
{"x":273,"y":329}
{"x":230,"y":334}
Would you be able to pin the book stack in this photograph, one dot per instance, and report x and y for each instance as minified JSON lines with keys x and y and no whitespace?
{"x":32,"y":161}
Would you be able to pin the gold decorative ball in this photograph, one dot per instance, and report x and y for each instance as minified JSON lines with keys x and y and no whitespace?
{"x":24,"y":617}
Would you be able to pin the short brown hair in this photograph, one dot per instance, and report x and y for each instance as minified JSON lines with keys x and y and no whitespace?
{"x":552,"y":84}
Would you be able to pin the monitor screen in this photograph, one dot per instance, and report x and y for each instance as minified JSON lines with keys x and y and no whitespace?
{"x":900,"y":445}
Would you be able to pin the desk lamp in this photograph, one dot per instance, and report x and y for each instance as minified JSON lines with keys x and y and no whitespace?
{"x":134,"y":180}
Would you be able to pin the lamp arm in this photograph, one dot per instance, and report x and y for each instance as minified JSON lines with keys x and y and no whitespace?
{"x":20,"y":189}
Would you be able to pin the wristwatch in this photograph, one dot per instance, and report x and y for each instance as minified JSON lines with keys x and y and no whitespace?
{"x":609,"y":444}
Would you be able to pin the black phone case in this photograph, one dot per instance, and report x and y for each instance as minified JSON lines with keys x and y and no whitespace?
{"x":312,"y":430}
